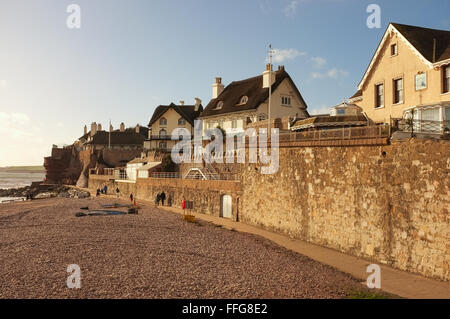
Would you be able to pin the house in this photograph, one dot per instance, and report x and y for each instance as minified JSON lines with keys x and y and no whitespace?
{"x":241,"y":102}
{"x":410,"y":70}
{"x":122,"y":139}
{"x":166,"y":118}
{"x":140,"y":168}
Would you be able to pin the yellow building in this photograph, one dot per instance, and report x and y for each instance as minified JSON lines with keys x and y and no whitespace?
{"x":166,"y":118}
{"x":409,"y":70}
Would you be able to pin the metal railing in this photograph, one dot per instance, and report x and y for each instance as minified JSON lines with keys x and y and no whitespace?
{"x":424,"y":126}
{"x":363,"y":132}
{"x":165,"y":175}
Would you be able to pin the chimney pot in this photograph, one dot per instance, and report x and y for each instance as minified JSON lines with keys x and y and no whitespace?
{"x":218,"y":80}
{"x":122,"y":127}
{"x":181,"y":102}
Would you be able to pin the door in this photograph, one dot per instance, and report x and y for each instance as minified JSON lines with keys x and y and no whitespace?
{"x":226,"y":206}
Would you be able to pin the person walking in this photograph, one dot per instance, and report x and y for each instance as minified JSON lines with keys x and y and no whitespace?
{"x":183,"y":205}
{"x":131,"y":197}
{"x":105,"y":190}
{"x":163,"y":198}
{"x":117,"y":192}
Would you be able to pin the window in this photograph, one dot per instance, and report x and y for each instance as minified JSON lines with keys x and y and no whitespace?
{"x":398,"y":91}
{"x":234,"y":124}
{"x":446,"y":79}
{"x":163,"y":145}
{"x":262,"y":117}
{"x":219,"y":105}
{"x":162,"y":133}
{"x":285,"y":100}
{"x":340,"y":112}
{"x":163,"y":121}
{"x":421,"y":81}
{"x":394,"y":49}
{"x":181,"y":121}
{"x":243,"y":100}
{"x":379,"y":95}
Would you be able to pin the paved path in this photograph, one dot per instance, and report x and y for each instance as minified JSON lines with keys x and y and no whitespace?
{"x":397,"y":282}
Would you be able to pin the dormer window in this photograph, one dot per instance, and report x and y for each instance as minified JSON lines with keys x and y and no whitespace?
{"x":163,"y":121}
{"x":219,"y":105}
{"x":243,"y":100}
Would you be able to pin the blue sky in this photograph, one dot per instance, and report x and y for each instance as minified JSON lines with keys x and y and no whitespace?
{"x":130,"y":56}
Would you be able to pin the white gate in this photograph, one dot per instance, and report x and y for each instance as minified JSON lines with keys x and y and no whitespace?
{"x":226,"y":206}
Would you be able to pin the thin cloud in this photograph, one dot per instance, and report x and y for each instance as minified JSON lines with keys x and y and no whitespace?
{"x":323,"y":109}
{"x":330,"y":74}
{"x":318,"y":62}
{"x":282,"y":55}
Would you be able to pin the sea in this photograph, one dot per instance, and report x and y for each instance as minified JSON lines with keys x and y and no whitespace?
{"x":10,"y":180}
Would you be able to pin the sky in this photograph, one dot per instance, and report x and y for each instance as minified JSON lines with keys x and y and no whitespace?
{"x":130,"y":56}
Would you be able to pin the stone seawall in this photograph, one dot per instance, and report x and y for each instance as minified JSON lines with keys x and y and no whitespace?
{"x":205,"y":195}
{"x":385,"y":203}
{"x":389,"y":204}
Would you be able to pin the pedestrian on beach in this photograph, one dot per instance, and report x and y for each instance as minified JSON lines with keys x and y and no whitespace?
{"x":183,"y":205}
{"x":105,"y":189}
{"x":157,"y":199}
{"x":131,"y":197}
{"x":117,"y":192}
{"x":163,"y":198}
{"x":98,"y":192}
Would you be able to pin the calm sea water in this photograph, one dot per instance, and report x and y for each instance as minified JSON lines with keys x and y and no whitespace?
{"x":16,"y":180}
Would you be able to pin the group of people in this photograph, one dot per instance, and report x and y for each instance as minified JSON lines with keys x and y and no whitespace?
{"x":160,"y":197}
{"x":104,"y":191}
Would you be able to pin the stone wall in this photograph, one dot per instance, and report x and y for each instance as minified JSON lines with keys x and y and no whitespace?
{"x":205,"y":195}
{"x":385,"y":203}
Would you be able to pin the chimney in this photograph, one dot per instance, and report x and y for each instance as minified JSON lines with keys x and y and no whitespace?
{"x":111,"y":128}
{"x":150,"y":134}
{"x":122,"y":127}
{"x":281,"y":68}
{"x":181,"y":103}
{"x":138,"y":128}
{"x":268,"y":75}
{"x":99,"y":127}
{"x":217,"y":88}
{"x":93,"y":129}
{"x":198,"y":102}
{"x":85,"y":130}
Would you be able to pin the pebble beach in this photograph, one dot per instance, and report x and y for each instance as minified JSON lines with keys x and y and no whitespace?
{"x":154,"y":254}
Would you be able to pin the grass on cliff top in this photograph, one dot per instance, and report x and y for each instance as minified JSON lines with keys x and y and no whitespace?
{"x":23,"y":169}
